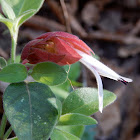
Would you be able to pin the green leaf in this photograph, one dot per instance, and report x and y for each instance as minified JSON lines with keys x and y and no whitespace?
{"x":7,"y":22}
{"x":76,"y":119}
{"x":77,"y":84}
{"x":14,"y":138}
{"x":76,"y":130}
{"x":7,"y":9}
{"x":22,"y":9}
{"x":49,"y":73}
{"x":74,"y":71}
{"x":31,"y":110}
{"x":3,"y":62}
{"x":59,"y":93}
{"x":17,"y":59}
{"x":13,"y":73}
{"x":65,"y":86}
{"x":57,"y":104}
{"x":96,"y":57}
{"x":23,"y":17}
{"x":85,"y":101}
{"x":62,"y":135}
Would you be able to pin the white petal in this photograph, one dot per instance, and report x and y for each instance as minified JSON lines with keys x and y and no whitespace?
{"x":102,"y":69}
{"x":99,"y":83}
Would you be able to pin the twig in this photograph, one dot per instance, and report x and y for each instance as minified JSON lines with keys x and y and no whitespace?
{"x":76,"y":26}
{"x":74,"y":6}
{"x":46,"y":24}
{"x":30,"y":33}
{"x":8,"y":132}
{"x":3,"y":54}
{"x":65,"y":12}
{"x":56,"y":9}
{"x":107,"y":36}
{"x":136,"y":29}
{"x":131,"y":50}
{"x":3,"y":125}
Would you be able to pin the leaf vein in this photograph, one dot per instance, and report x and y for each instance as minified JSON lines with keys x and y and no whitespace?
{"x":30,"y":105}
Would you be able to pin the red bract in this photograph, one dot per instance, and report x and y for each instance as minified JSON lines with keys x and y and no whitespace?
{"x":58,"y":47}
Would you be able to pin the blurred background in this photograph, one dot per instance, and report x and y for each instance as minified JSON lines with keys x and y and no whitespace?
{"x":112,"y":29}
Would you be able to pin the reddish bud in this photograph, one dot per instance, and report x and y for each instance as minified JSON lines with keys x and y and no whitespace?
{"x":57,"y":47}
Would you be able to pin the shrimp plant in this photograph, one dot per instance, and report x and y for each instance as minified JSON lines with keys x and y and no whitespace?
{"x":46,"y":107}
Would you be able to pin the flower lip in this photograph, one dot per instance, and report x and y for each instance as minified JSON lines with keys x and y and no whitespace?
{"x":125,"y":80}
{"x":102,"y":69}
{"x":97,"y":68}
{"x":99,"y":83}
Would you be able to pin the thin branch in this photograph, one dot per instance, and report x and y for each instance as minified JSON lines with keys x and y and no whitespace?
{"x":3,"y":125}
{"x":66,"y":16}
{"x":74,"y":6}
{"x":7,"y":134}
{"x":112,"y":37}
{"x":56,"y":9}
{"x":45,"y":24}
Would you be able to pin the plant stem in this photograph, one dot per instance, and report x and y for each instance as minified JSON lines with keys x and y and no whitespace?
{"x":7,"y":133}
{"x":3,"y":125}
{"x":14,"y":36}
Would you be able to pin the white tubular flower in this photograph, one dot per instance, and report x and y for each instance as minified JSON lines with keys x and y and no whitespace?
{"x":98,"y":68}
